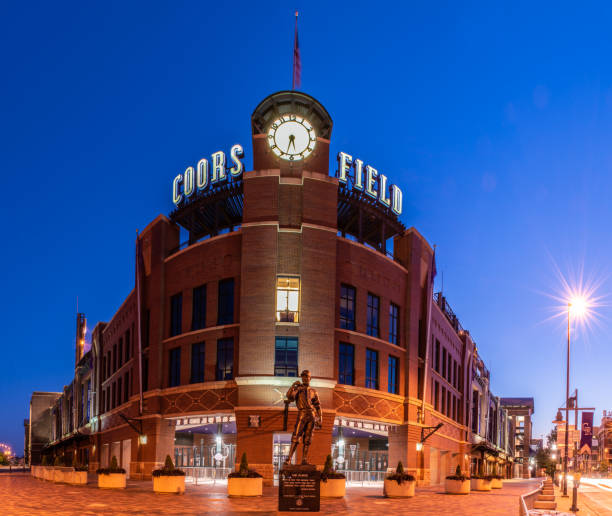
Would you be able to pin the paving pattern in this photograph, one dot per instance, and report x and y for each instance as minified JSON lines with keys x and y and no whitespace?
{"x":21,"y":494}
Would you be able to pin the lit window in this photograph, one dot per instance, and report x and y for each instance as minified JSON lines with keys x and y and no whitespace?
{"x":287,"y":299}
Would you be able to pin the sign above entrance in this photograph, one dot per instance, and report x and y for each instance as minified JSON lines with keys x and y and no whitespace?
{"x":206,"y":175}
{"x":368,"y":180}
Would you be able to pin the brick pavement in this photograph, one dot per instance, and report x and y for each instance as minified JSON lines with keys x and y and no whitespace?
{"x":21,"y":494}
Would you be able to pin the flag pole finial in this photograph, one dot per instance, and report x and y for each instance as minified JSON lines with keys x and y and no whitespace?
{"x":297,"y":62}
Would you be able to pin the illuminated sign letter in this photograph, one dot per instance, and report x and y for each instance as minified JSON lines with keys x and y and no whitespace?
{"x":382,"y":194}
{"x":371,"y":174}
{"x":202,"y":174}
{"x":359,"y":174}
{"x":218,"y":167}
{"x":177,"y":196}
{"x":344,"y":162}
{"x":396,"y":197}
{"x":236,"y":153}
{"x":188,"y":182}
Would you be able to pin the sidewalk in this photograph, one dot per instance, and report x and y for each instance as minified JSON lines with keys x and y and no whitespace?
{"x":23,"y":495}
{"x":564,"y":504}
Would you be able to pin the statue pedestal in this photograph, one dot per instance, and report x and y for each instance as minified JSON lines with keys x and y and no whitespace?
{"x":299,"y":488}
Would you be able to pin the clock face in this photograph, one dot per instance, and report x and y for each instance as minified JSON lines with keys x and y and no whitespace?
{"x":291,"y":137}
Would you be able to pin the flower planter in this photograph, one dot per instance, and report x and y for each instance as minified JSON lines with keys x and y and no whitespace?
{"x":457,"y":486}
{"x":333,"y":488}
{"x":59,"y":474}
{"x":34,"y":471}
{"x":77,"y":477}
{"x":244,"y":486}
{"x":480,"y":484}
{"x":111,"y":481}
{"x":497,"y":483}
{"x":169,"y":484}
{"x":394,"y":490}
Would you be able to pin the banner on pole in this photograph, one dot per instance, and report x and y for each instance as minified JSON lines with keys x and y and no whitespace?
{"x":586,"y":430}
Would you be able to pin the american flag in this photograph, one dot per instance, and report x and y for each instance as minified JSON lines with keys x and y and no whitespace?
{"x":297,"y":62}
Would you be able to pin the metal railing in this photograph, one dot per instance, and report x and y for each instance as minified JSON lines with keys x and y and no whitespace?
{"x":526,"y":501}
{"x":364,"y":477}
{"x":203,"y":475}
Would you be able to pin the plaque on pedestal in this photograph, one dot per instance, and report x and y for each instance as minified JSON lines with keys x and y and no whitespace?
{"x":299,"y":489}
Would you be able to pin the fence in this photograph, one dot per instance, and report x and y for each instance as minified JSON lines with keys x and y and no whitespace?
{"x":199,"y":475}
{"x":364,"y":477}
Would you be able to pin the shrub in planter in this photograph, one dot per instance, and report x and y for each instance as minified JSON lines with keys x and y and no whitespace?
{"x":497,"y":481}
{"x":481,"y":482}
{"x":333,"y":483}
{"x":457,"y":483}
{"x":79,"y":473}
{"x":399,"y":484}
{"x":245,"y":481}
{"x":169,"y":479}
{"x":113,"y":477}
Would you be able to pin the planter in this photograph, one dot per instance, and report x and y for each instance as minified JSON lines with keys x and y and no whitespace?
{"x":48,"y":473}
{"x":169,"y":484}
{"x":394,"y":490}
{"x":244,"y":486}
{"x":77,"y":478}
{"x":34,"y":471}
{"x":333,"y":488}
{"x":112,"y":481}
{"x":480,"y":484}
{"x":497,"y":483}
{"x":457,"y":486}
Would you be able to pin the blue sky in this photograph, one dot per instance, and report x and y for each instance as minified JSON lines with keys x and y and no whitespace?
{"x":494,"y":120}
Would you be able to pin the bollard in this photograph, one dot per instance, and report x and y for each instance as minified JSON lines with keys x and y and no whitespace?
{"x":574,"y":507}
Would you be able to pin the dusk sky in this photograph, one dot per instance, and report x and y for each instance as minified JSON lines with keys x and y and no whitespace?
{"x":495,"y":121}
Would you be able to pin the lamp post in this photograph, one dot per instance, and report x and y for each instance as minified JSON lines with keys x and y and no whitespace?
{"x":569,"y":309}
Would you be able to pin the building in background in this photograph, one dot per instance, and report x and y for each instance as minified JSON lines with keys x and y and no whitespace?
{"x":258,"y":275}
{"x":603,"y":434}
{"x":40,"y":425}
{"x":520,"y":411}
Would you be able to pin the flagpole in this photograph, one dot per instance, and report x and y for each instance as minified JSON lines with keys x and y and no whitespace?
{"x":294,"y":47}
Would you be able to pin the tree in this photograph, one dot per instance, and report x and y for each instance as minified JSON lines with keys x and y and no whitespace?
{"x":543,"y":458}
{"x":3,"y":460}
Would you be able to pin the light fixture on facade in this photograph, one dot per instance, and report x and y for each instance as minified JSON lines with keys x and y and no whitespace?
{"x":419,"y":446}
{"x":142,"y":439}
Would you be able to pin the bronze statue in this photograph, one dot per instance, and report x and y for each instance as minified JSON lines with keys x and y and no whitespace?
{"x":309,"y":415}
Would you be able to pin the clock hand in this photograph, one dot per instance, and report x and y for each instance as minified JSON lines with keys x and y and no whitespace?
{"x":291,"y":141}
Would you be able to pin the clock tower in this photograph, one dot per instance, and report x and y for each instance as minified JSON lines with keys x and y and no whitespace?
{"x":291,"y":132}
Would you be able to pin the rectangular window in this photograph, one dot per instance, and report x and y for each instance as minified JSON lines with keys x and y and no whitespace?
{"x":104,"y":368}
{"x":443,"y":362}
{"x":346,"y":364}
{"x":286,"y":356}
{"x":347,"y":307}
{"x":120,"y":353}
{"x":198,"y":315}
{"x":175,"y":367}
{"x":103,"y":401}
{"x":197,"y":362}
{"x":88,"y":415}
{"x":127,"y":345}
{"x":443,"y":396}
{"x":437,"y":356}
{"x":119,"y":391}
{"x":145,"y":374}
{"x":225,"y":359}
{"x":448,"y":403}
{"x":146,"y":330}
{"x":373,"y":315}
{"x":225,"y":314}
{"x":287,"y":299}
{"x":437,"y":397}
{"x":126,"y":387}
{"x":393,"y":374}
{"x":393,"y":323}
{"x":176,"y":314}
{"x":114,"y":404}
{"x":371,"y":369}
{"x":114,"y":357}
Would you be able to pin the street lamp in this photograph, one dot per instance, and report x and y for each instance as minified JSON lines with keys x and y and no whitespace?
{"x":578,"y":306}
